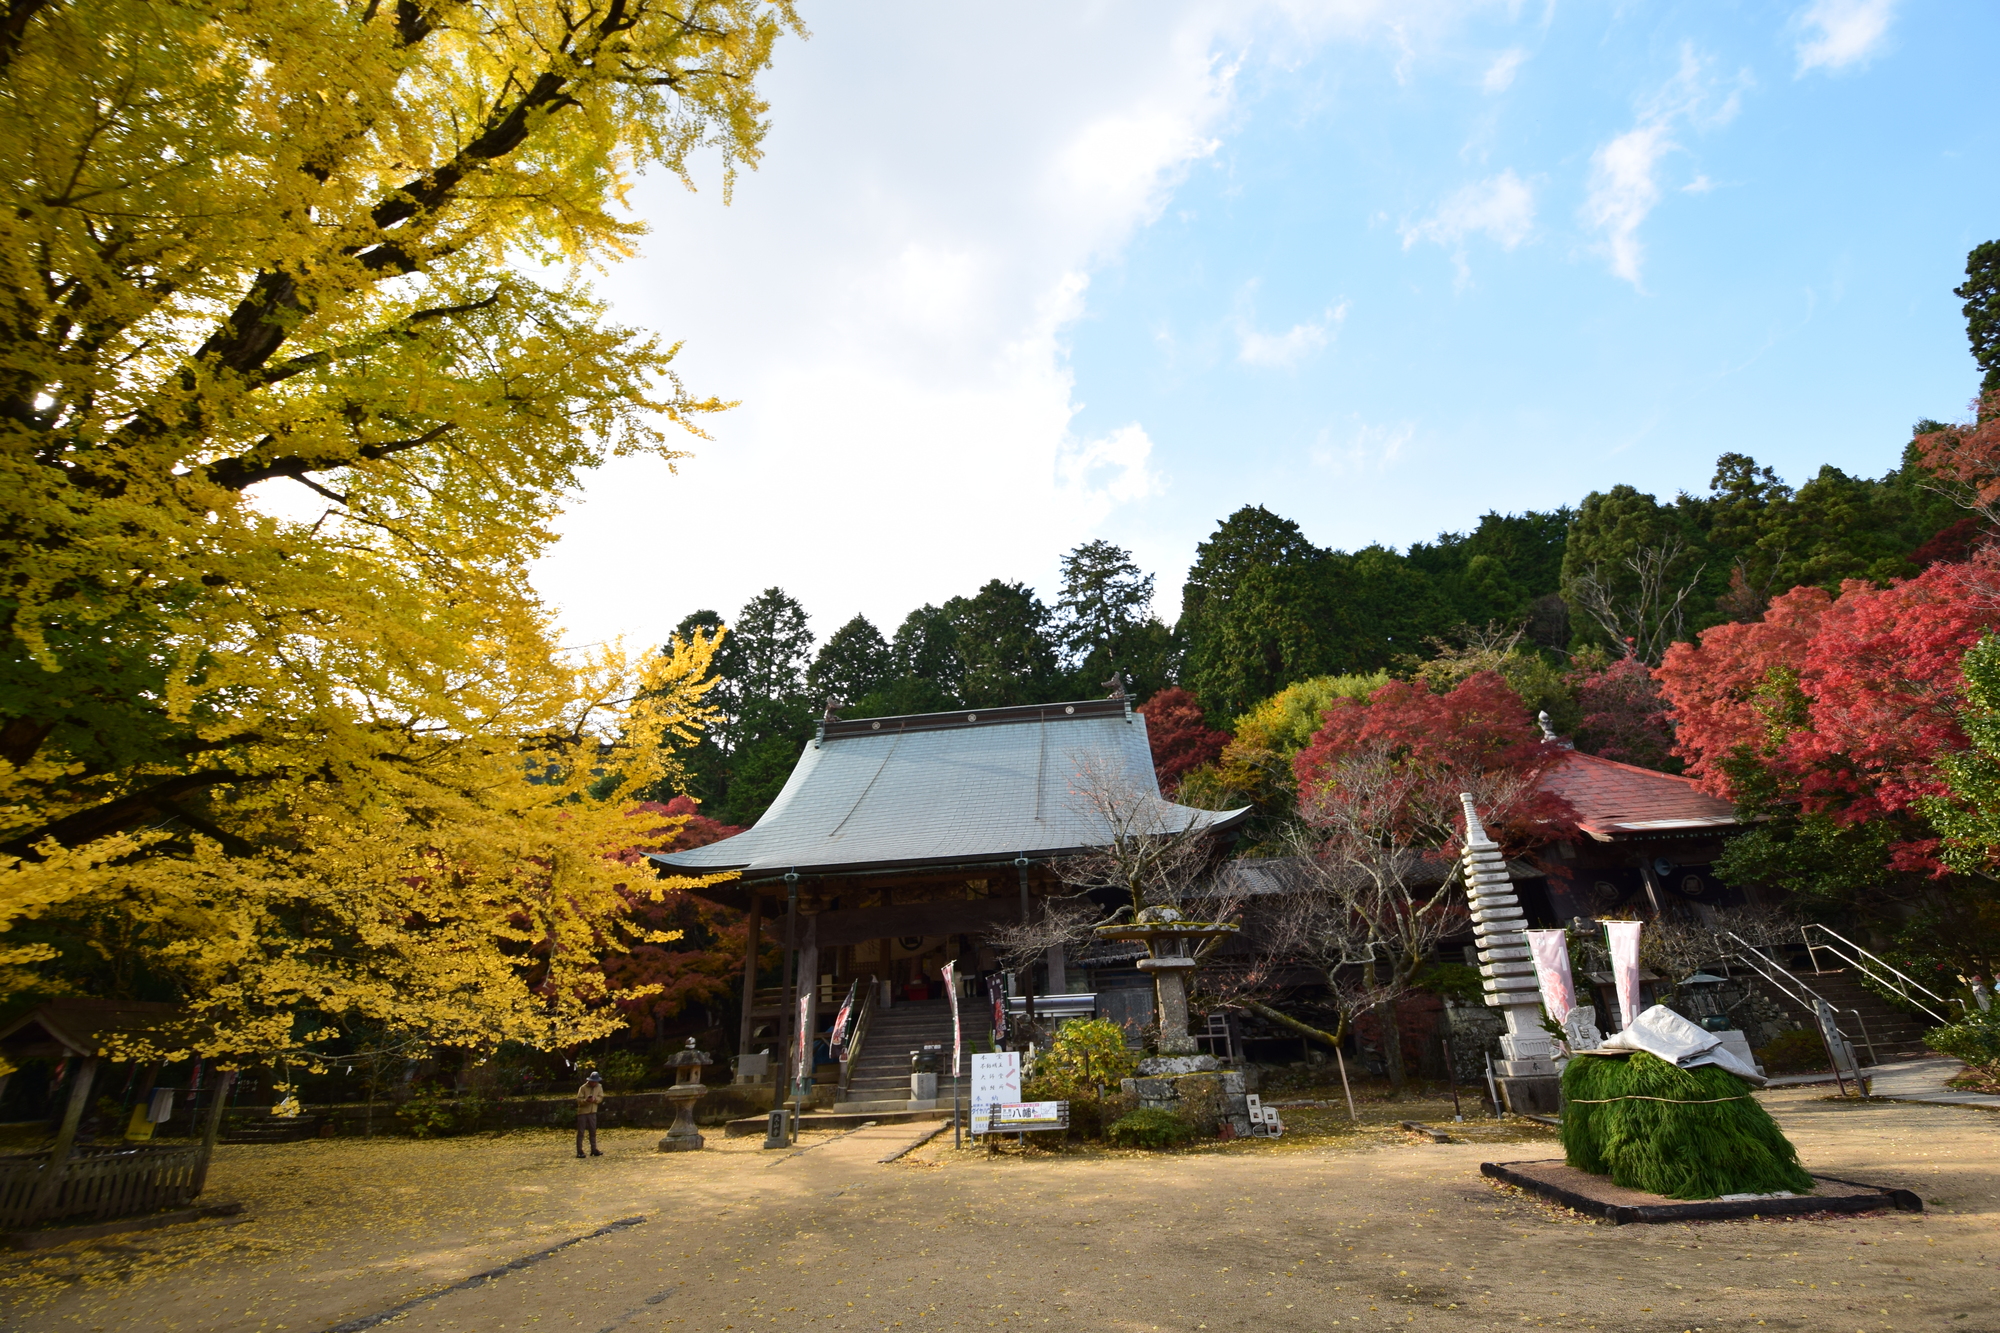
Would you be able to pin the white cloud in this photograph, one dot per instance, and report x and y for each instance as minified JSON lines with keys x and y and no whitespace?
{"x":1287,"y":349}
{"x":1109,"y":471}
{"x":1500,"y":74}
{"x":1501,"y":207}
{"x":1361,"y":447}
{"x":890,"y":297}
{"x":1838,"y":33}
{"x":1624,"y":182}
{"x":1623,"y":190}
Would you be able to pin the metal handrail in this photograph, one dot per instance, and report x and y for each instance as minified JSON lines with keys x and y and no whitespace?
{"x":853,"y":1047}
{"x":1901,"y":983}
{"x":1789,"y":983}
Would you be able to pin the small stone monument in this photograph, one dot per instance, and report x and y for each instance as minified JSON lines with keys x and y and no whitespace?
{"x":1580,"y":1029}
{"x":924,"y":1067}
{"x":686,"y":1091}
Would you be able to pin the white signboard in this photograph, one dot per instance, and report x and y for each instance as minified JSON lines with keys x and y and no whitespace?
{"x":996,"y":1078}
{"x":1010,"y":1116}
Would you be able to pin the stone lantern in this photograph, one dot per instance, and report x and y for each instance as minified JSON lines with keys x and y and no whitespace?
{"x":1167,"y":937}
{"x":686,"y":1091}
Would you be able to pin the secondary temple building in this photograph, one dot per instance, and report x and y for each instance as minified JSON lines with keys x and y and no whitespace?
{"x":899,"y":844}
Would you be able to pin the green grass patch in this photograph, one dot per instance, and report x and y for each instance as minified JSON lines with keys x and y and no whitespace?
{"x":1149,"y":1127}
{"x":1708,"y":1137}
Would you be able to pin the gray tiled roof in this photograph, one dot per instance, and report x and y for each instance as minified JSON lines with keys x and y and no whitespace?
{"x":949,"y":788}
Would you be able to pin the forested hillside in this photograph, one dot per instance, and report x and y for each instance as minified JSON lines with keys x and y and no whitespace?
{"x":1557,"y":597}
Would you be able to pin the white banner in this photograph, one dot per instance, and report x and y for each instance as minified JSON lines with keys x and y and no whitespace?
{"x":802,"y":1068}
{"x":1623,"y":937}
{"x":1551,"y":951}
{"x":951,"y":991}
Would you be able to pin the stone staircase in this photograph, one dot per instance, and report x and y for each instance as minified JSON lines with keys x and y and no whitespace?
{"x":270,"y":1129}
{"x":880,"y":1079}
{"x":1896,"y":1033}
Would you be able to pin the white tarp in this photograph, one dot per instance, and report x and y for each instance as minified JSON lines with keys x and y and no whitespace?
{"x":1662,"y":1032}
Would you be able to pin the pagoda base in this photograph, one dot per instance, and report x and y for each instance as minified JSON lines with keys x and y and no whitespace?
{"x":1531,"y":1094}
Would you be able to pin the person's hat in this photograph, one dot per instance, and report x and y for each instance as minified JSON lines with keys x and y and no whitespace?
{"x":593,"y":1077}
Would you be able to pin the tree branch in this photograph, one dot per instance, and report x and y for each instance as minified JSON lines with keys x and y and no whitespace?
{"x":236,"y":474}
{"x":81,"y":827}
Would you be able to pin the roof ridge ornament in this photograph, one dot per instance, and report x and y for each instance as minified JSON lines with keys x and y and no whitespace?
{"x":1549,"y":736}
{"x":1116,"y":685}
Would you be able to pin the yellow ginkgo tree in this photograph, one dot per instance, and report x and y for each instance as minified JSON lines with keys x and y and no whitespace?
{"x":314,"y":768}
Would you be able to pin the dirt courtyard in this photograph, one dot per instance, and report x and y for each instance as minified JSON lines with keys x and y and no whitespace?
{"x":1328,"y":1227}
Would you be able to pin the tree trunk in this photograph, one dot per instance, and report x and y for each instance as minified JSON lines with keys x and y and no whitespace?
{"x":1392,"y":1046}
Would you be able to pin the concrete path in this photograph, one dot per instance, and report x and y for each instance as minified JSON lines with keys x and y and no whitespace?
{"x":1924,"y":1080}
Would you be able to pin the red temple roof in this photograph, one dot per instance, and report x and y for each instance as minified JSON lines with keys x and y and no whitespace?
{"x":1615,"y":800}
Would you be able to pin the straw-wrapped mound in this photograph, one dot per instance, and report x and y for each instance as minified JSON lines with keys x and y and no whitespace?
{"x":1681,"y":1133}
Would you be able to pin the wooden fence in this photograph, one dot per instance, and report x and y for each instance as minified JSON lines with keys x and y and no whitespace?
{"x":99,"y":1183}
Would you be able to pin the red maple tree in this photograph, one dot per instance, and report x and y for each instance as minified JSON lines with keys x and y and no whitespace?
{"x":1180,"y":736}
{"x":1625,"y":717}
{"x":1967,"y":456}
{"x":706,"y":962}
{"x":1477,"y":738}
{"x":1836,"y":705}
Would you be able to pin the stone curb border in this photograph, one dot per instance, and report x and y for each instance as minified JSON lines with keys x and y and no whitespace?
{"x":1865,"y":1199}
{"x":481,"y":1279}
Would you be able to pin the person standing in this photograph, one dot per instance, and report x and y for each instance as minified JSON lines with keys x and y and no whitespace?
{"x":587,"y":1098}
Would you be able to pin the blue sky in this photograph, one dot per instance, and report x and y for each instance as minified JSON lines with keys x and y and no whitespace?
{"x":1010,"y":280}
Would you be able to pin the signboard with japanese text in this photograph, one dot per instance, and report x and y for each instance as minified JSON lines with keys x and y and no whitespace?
{"x":996,"y":1079}
{"x":1019,"y":1117}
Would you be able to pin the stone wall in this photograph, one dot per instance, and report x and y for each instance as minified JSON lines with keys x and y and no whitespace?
{"x":647,"y":1109}
{"x":1206,"y":1099}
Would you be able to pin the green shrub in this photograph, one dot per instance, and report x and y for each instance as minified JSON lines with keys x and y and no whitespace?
{"x":1796,"y":1052}
{"x":1681,"y":1133}
{"x":1974,"y":1039}
{"x":1454,"y":981}
{"x":623,"y":1070}
{"x":428,"y":1114}
{"x":1149,"y":1127}
{"x":1087,"y":1054}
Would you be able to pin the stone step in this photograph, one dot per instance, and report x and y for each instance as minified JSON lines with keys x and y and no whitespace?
{"x":845,"y":1118}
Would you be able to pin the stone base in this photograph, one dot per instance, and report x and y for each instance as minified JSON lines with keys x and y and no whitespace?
{"x":1206,"y":1098}
{"x":1166,"y":1066}
{"x":1533,"y":1094}
{"x":681,"y":1143}
{"x":1598,"y":1197}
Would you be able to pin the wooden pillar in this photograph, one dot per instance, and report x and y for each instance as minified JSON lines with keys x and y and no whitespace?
{"x":755,"y":939}
{"x":79,"y":1100}
{"x":781,"y":1070}
{"x":209,"y":1135}
{"x":1058,"y":974}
